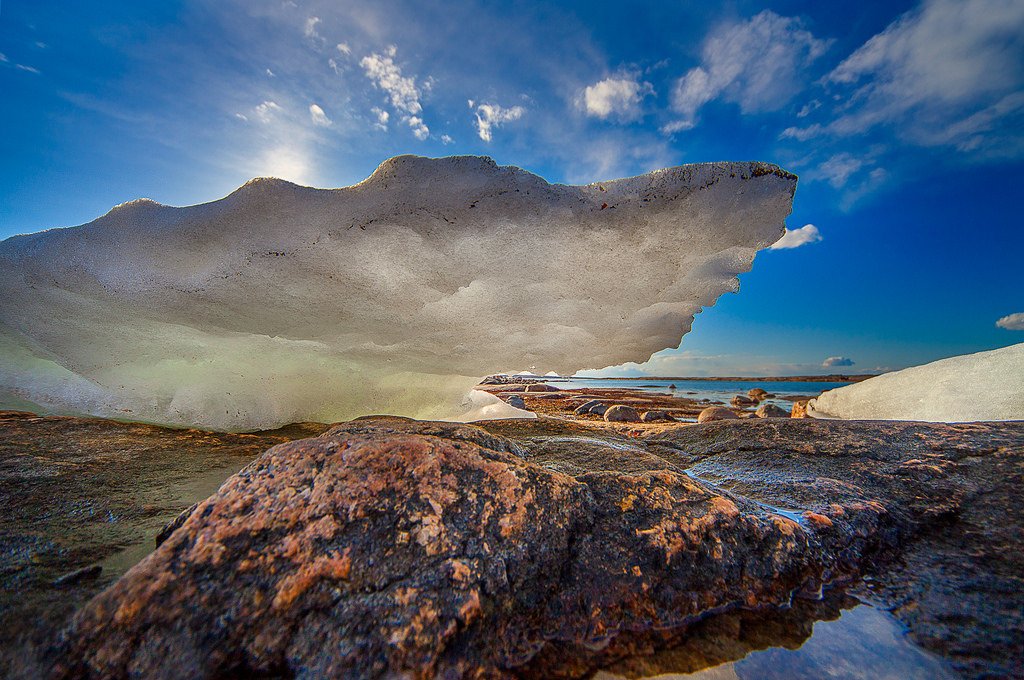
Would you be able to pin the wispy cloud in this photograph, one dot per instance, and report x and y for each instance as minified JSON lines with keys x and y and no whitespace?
{"x":945,"y":74}
{"x":1012,"y":322}
{"x":615,"y":97}
{"x":794,"y":238}
{"x":490,"y":116}
{"x":757,"y":64}
{"x":402,"y":91}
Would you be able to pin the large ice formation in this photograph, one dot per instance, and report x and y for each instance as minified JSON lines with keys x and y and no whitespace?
{"x":971,"y":387}
{"x":282,"y":303}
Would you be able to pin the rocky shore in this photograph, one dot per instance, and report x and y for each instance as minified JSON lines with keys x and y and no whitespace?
{"x":550,"y":547}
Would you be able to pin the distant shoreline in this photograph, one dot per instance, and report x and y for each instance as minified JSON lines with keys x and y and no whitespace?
{"x":834,"y":377}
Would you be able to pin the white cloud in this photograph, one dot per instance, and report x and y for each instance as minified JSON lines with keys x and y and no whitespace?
{"x":344,"y":48}
{"x":30,"y":69}
{"x":794,"y":238}
{"x":242,"y":117}
{"x":270,"y":73}
{"x":757,"y":64}
{"x":837,"y":361}
{"x":489,"y":116}
{"x":401,"y":90}
{"x":945,"y":74}
{"x":802,"y":134}
{"x":419,"y":130}
{"x":446,"y":139}
{"x":382,"y":118}
{"x":310,"y":28}
{"x":318,"y":116}
{"x":3,"y":58}
{"x":1012,"y":322}
{"x":266,"y":111}
{"x":619,"y":97}
{"x":808,"y":108}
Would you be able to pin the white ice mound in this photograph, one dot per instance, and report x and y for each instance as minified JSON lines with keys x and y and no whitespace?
{"x":973,"y":387}
{"x":282,"y":303}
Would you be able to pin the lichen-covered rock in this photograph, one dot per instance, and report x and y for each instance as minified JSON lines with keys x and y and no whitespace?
{"x":621,"y":414}
{"x":799,"y":409}
{"x":389,"y":547}
{"x":712,"y":413}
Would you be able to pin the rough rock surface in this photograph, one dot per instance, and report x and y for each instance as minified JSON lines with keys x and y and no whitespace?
{"x":771,"y":411}
{"x":799,"y":409}
{"x":535,"y":549}
{"x":712,"y":413}
{"x":621,"y":414}
{"x":656,"y":417}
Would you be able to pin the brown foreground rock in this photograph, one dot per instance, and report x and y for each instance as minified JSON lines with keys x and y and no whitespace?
{"x":389,"y":547}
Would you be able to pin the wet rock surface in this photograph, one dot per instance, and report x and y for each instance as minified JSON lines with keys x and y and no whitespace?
{"x":547,"y":548}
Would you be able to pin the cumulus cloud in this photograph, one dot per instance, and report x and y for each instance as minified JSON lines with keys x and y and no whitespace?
{"x":837,"y":361}
{"x":489,"y":116}
{"x":402,"y":91}
{"x":945,"y":74}
{"x":756,"y":64}
{"x":318,"y":116}
{"x":794,"y":238}
{"x":1012,"y":322}
{"x":615,"y":97}
{"x":382,"y":117}
{"x":447,"y":139}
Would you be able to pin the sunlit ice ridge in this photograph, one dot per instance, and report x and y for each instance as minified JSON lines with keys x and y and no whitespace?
{"x":282,"y":303}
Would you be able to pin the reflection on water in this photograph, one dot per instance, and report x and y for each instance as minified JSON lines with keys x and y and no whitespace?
{"x":863,"y":642}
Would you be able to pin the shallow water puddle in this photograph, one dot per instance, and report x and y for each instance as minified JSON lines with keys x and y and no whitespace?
{"x":864,"y":642}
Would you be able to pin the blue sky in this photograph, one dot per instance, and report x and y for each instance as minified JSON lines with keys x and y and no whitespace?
{"x":904,"y":120}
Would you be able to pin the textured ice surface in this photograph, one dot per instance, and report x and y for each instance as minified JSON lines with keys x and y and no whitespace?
{"x":971,"y":387}
{"x":282,"y":303}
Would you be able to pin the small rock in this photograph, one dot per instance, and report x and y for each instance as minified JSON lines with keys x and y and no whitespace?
{"x":771,"y":411}
{"x":621,"y":414}
{"x":599,"y":409}
{"x":541,"y":387}
{"x":516,"y":401}
{"x":739,"y":401}
{"x":77,"y":575}
{"x":586,"y":406}
{"x":672,"y":386}
{"x":799,"y":409}
{"x":758,"y":394}
{"x":656,"y":416}
{"x":713,"y":413}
